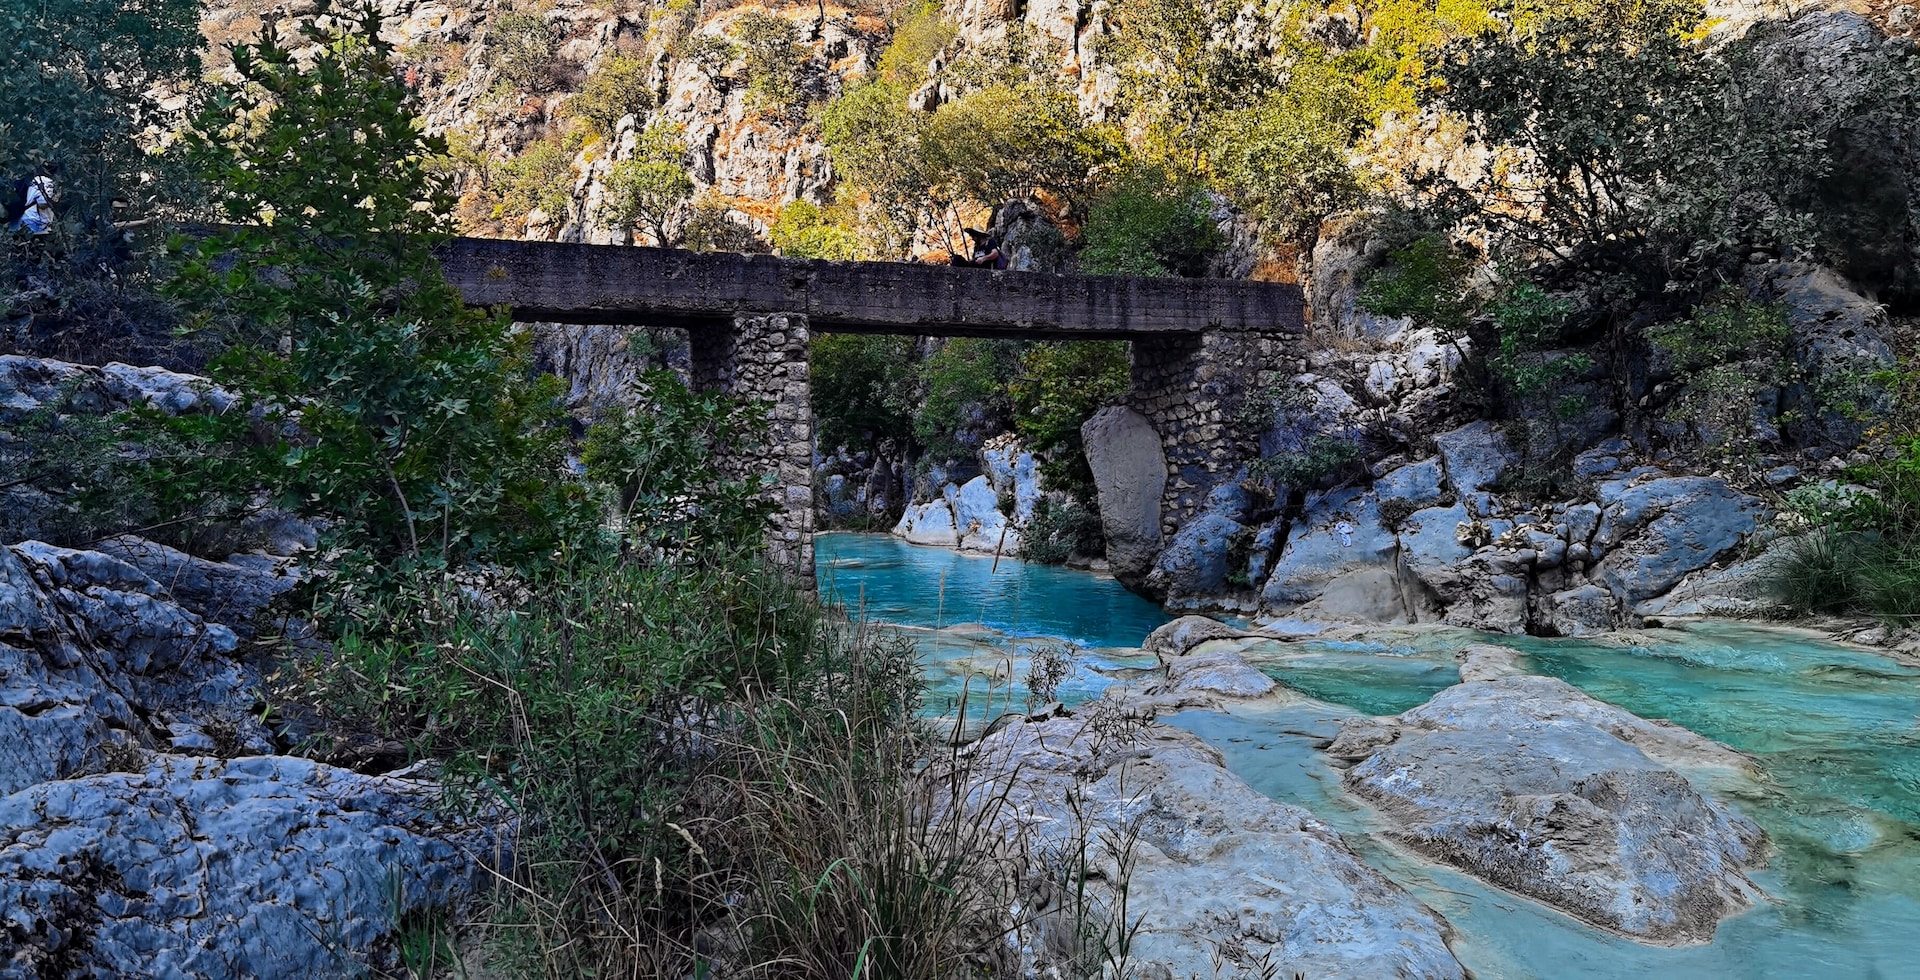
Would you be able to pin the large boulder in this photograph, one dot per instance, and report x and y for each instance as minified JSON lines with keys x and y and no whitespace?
{"x":1533,"y":786}
{"x":1317,"y":553}
{"x":200,"y":867}
{"x":1657,"y":531}
{"x":95,"y":658}
{"x":1839,"y":339}
{"x":930,"y":523}
{"x":978,"y":523}
{"x":1130,"y":471}
{"x":1195,"y":565}
{"x":1220,"y":876}
{"x":1475,"y":457}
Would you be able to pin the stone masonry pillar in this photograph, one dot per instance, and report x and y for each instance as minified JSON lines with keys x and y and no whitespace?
{"x":1191,"y":387}
{"x":764,"y":358}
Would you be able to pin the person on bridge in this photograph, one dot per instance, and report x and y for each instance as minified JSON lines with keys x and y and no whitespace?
{"x":987,"y":253}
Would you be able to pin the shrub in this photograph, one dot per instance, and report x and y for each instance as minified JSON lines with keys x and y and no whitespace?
{"x":616,"y":89}
{"x":648,"y":190}
{"x":1150,"y":224}
{"x":711,"y":227}
{"x":803,"y":231}
{"x":1006,"y":142}
{"x":776,"y":62}
{"x":1059,"y":530}
{"x":1060,"y":385}
{"x":1726,"y":354}
{"x":521,"y":47}
{"x":1286,"y":154}
{"x":540,"y":178}
{"x":920,"y":34}
{"x":659,"y":455}
{"x":1321,"y":458}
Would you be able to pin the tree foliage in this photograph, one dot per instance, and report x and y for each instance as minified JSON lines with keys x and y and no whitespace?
{"x":1059,"y":387}
{"x":803,"y":231}
{"x":617,"y":88}
{"x":776,"y":62}
{"x":402,"y":420}
{"x":1150,"y":223}
{"x":84,"y":82}
{"x":648,"y":190}
{"x":863,"y":389}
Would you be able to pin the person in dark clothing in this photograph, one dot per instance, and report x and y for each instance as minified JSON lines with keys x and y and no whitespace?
{"x":987,"y":253}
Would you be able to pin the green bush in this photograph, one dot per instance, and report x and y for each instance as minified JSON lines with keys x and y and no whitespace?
{"x":803,"y":231}
{"x":1060,"y":385}
{"x":1059,"y":530}
{"x":648,"y":190}
{"x":1322,"y":458}
{"x":541,"y":178}
{"x":1150,"y":224}
{"x":710,"y":227}
{"x":921,"y":32}
{"x":1005,"y":142}
{"x":522,"y":47}
{"x":1729,"y":351}
{"x":659,"y":456}
{"x":776,"y":62}
{"x":616,"y":89}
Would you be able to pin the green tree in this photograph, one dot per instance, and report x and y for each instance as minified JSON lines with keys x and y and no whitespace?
{"x":83,"y":82}
{"x":405,"y":422}
{"x":803,"y":231}
{"x":711,"y":227}
{"x":1181,"y":71}
{"x":1059,"y":387}
{"x":1150,"y":224}
{"x":648,"y":190}
{"x":1005,"y":142}
{"x":616,"y":89}
{"x":964,"y":398}
{"x":921,"y":31}
{"x":776,"y":61}
{"x":539,"y":178}
{"x":875,"y":143}
{"x":1638,"y":154}
{"x":863,"y":389}
{"x":1286,"y":154}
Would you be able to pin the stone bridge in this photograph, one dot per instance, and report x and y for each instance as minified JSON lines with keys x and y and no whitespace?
{"x":1198,"y":344}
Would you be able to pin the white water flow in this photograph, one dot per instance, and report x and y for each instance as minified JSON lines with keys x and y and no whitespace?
{"x":1835,"y":733}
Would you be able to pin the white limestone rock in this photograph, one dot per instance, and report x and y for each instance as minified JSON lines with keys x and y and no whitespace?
{"x":1531,"y":785}
{"x":199,"y":867}
{"x":1218,"y":870}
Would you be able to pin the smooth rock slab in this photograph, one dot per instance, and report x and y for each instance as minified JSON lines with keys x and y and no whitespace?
{"x":255,"y":867}
{"x":1529,"y":784}
{"x":1218,"y":869}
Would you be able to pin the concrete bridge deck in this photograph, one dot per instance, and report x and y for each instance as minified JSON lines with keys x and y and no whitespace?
{"x":617,"y":284}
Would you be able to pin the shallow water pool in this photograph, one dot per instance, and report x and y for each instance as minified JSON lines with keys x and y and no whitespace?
{"x":1835,"y":733}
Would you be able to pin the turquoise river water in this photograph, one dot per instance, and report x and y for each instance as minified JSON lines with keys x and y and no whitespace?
{"x":1835,"y":732}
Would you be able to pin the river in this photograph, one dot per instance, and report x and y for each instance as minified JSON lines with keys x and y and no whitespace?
{"x":1835,"y":732}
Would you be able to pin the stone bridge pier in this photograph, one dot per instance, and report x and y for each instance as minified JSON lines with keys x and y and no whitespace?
{"x":1176,"y":436}
{"x":763,"y":358}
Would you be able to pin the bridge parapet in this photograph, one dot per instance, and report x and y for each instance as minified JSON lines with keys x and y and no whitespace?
{"x":614,"y":284}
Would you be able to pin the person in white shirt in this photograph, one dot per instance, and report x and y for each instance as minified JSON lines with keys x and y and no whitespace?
{"x":38,"y":218}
